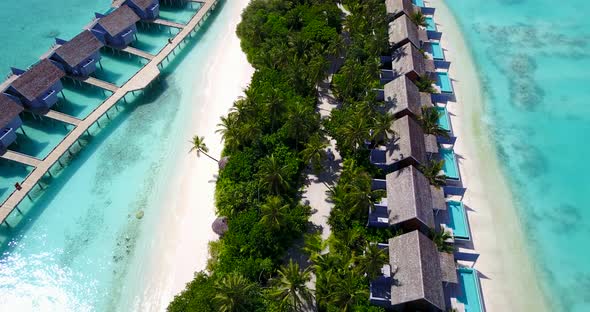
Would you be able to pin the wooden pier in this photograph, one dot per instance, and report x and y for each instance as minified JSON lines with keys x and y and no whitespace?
{"x":97,"y":83}
{"x":63,"y":117}
{"x":22,"y":158}
{"x":143,"y":78}
{"x":138,"y":52}
{"x":167,"y":23}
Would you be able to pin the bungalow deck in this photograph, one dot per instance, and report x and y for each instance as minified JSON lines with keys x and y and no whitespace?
{"x":142,"y":79}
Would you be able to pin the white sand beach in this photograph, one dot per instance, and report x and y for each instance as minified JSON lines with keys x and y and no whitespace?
{"x":507,"y":278}
{"x":184,"y":228}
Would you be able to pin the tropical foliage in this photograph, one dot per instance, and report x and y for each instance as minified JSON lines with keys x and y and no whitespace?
{"x":429,"y":122}
{"x":425,"y":84}
{"x":270,"y":136}
{"x":433,"y":171}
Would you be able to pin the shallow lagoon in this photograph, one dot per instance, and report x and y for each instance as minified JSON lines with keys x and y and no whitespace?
{"x":533,"y":61}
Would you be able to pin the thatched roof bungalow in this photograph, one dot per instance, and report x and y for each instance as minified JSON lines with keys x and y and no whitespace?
{"x":409,"y":61}
{"x":38,"y":87}
{"x":80,"y":55}
{"x":417,"y":283}
{"x":145,"y":9}
{"x":402,"y":30}
{"x":9,"y":120}
{"x":396,"y":8}
{"x":118,"y":28}
{"x":402,"y":97}
{"x":409,"y":202}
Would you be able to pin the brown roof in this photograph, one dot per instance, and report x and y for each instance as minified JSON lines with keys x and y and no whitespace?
{"x":402,"y":97}
{"x":37,"y":79}
{"x":8,"y":110}
{"x":79,"y":48}
{"x":118,"y":20}
{"x":417,"y":279}
{"x":438,"y":198}
{"x":403,"y":30}
{"x":409,"y":201}
{"x":408,"y":59}
{"x":448,"y":269}
{"x":398,"y":7}
{"x":143,"y":4}
{"x":407,"y":144}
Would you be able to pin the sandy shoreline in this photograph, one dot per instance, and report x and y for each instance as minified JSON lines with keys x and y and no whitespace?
{"x":184,"y":226}
{"x":508,"y":278}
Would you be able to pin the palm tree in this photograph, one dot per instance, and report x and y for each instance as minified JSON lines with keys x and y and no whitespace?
{"x":442,"y":240}
{"x":300,"y":121}
{"x":234,"y":293}
{"x":433,"y":171}
{"x":314,"y":245}
{"x":371,"y":262}
{"x":273,"y":212}
{"x":199,"y":146}
{"x":424,"y":84}
{"x":228,"y":128}
{"x":382,"y":128}
{"x":418,"y":18}
{"x":314,"y":152}
{"x":273,"y":175}
{"x":355,"y":132}
{"x":290,"y":289}
{"x":348,"y":291}
{"x":429,"y":122}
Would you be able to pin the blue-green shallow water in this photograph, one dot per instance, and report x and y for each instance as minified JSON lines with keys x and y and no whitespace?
{"x":72,"y":247}
{"x":533,"y":57}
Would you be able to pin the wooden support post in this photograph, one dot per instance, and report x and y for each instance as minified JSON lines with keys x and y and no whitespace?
{"x":62,"y":94}
{"x":49,"y":172}
{"x":7,"y":224}
{"x":21,"y":213}
{"x":108,"y":117}
{"x":41,"y":186}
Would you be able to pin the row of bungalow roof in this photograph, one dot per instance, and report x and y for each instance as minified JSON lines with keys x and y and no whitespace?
{"x":417,"y":274}
{"x":37,"y":88}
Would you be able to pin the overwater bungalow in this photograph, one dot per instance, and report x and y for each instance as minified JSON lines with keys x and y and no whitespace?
{"x":402,"y":97}
{"x":405,"y":149}
{"x":80,"y":55}
{"x":38,"y":87}
{"x":118,"y":28}
{"x":147,"y":10}
{"x":408,"y":203}
{"x":9,"y":121}
{"x":396,"y":8}
{"x":402,"y":30}
{"x":415,"y":277}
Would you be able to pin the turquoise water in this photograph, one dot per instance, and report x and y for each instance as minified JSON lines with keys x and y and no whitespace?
{"x":72,"y":246}
{"x":458,"y":219}
{"x":471,"y":295}
{"x":443,"y":81}
{"x":430,"y":25}
{"x":437,"y":51}
{"x":450,"y":166}
{"x":443,"y":118}
{"x":533,"y":58}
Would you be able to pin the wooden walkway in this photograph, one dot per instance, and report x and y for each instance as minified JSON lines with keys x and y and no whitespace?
{"x":63,"y":117}
{"x":97,"y":83}
{"x":167,"y":23}
{"x":22,"y":158}
{"x":141,"y":79}
{"x":138,"y":52}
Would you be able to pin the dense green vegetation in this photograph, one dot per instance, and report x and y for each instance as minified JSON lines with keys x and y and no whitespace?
{"x":270,"y":135}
